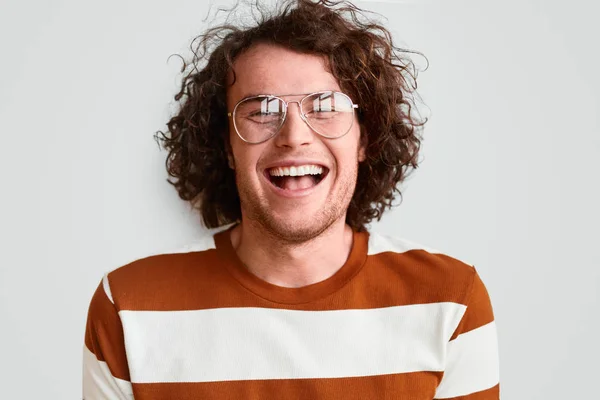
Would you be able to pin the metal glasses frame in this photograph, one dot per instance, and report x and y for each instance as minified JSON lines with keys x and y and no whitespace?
{"x":285,"y":108}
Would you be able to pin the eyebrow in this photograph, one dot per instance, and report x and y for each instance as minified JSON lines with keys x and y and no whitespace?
{"x":272,"y":94}
{"x":285,"y":95}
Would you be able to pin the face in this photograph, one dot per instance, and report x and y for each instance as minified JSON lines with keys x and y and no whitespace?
{"x":294,"y":209}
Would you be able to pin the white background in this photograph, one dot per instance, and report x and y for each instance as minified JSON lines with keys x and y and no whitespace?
{"x":509,"y":178}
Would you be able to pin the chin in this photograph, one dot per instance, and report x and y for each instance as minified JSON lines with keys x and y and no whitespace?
{"x":300,"y":227}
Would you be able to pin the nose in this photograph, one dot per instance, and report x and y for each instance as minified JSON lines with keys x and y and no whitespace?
{"x":294,"y":132}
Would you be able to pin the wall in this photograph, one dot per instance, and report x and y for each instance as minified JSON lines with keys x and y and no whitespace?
{"x":508,"y":182}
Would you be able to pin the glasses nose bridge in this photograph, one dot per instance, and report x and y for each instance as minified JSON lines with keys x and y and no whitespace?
{"x":299,"y":102}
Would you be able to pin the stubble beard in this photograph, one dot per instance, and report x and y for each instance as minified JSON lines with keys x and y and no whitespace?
{"x":335,"y":208}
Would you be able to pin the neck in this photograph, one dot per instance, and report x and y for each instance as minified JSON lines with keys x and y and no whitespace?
{"x":289,"y":264}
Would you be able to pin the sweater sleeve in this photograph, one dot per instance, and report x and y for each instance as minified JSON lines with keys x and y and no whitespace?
{"x":105,"y":370}
{"x":472,"y":362}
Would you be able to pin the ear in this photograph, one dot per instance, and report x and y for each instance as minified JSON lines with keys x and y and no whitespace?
{"x":229,"y":151}
{"x":362,"y":154}
{"x":363,"y":141}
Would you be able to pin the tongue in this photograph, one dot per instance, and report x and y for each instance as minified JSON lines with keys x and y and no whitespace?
{"x":297,"y":182}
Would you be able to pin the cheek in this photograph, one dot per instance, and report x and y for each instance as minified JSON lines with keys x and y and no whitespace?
{"x":245,"y":156}
{"x":348,"y":153}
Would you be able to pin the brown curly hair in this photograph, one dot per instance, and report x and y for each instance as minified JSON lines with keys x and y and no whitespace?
{"x":376,"y":74}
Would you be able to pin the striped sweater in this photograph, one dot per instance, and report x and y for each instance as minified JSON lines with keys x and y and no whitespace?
{"x":397,"y":321}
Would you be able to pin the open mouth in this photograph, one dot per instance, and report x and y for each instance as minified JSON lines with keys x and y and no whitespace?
{"x":297,"y":177}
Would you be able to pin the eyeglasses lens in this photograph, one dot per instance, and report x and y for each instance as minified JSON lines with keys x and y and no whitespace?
{"x":330,"y":114}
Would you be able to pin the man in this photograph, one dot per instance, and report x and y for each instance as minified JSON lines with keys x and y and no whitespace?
{"x":292,"y":137}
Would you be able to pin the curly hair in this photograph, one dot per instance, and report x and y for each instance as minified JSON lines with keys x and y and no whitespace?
{"x":361,"y":56}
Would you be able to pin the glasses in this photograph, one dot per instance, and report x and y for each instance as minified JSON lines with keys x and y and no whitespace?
{"x":257,"y":119}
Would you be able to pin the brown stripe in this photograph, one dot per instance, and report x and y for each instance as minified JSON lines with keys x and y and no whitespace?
{"x":410,"y":386}
{"x":192,"y":281}
{"x":489,"y":394}
{"x":104,"y":334}
{"x":479,"y":308}
{"x":415,"y":277}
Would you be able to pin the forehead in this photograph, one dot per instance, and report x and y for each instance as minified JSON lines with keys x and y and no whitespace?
{"x":271,"y":69}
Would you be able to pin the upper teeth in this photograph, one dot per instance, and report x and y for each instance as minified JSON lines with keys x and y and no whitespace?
{"x":299,"y":170}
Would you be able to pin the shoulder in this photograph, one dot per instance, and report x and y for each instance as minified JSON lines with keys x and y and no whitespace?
{"x":423,"y":267}
{"x":163,"y":271}
{"x":382,"y":244}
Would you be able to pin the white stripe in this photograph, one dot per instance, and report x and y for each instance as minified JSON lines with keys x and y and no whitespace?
{"x":98,"y":382}
{"x":201,"y":244}
{"x":106,"y":287}
{"x":261,"y":343}
{"x":472,"y":364}
{"x":379,"y":243}
{"x":205,"y":242}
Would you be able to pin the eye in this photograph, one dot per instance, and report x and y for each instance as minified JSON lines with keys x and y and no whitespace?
{"x":324,"y":113}
{"x":263,"y":117}
{"x":260,"y":113}
{"x":328,"y":105}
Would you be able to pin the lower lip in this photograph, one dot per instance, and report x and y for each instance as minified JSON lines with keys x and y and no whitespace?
{"x":294,"y":193}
